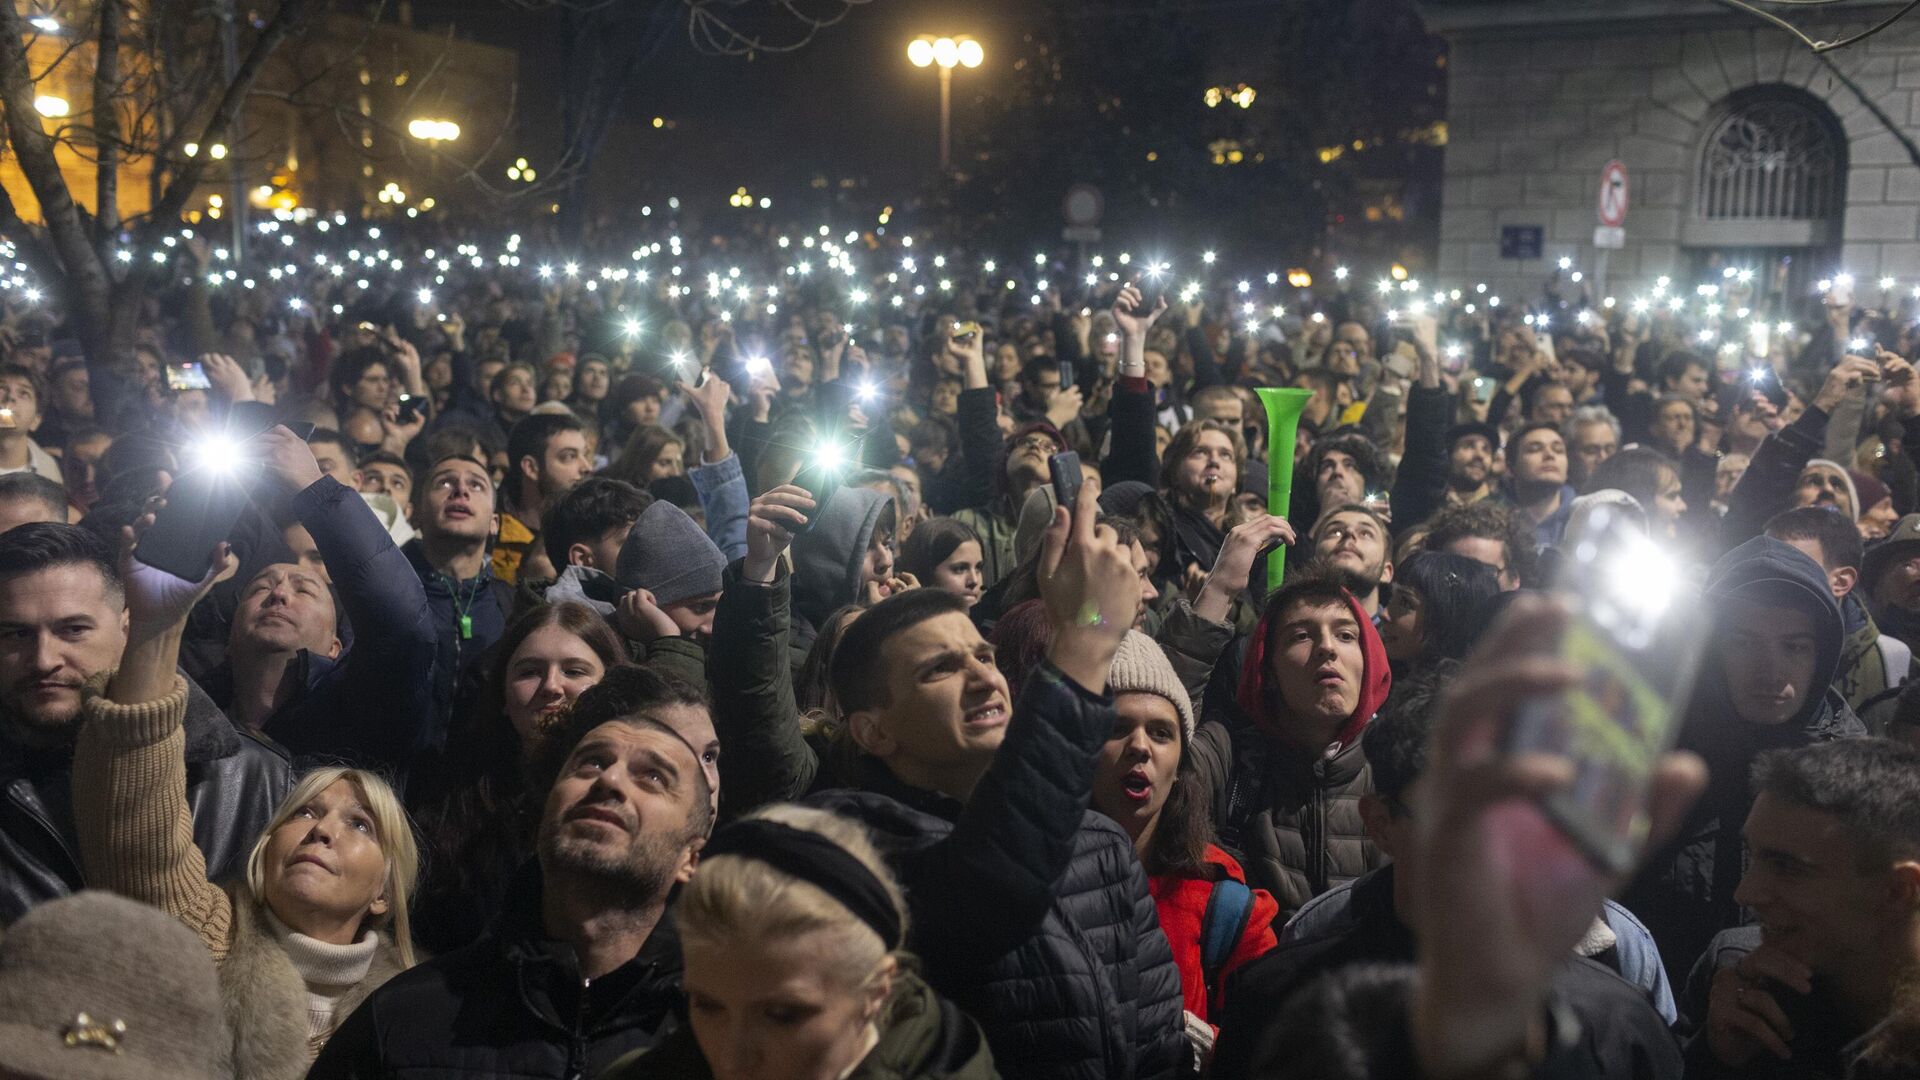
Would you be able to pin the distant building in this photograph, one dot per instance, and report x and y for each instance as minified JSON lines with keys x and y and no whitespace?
{"x":1743,"y":148}
{"x":345,"y":117}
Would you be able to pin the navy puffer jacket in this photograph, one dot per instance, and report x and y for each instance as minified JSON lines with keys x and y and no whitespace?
{"x":1031,"y":912}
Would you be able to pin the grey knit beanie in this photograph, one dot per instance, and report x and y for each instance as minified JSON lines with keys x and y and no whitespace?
{"x":1139,"y":667}
{"x":669,"y":555}
{"x":98,"y":987}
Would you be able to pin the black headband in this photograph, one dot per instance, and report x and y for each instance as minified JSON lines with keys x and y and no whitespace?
{"x":819,"y":862}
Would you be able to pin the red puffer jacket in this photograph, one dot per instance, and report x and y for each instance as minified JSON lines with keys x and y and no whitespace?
{"x":1182,"y":905}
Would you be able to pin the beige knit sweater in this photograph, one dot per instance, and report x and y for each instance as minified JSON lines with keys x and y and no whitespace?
{"x":130,"y":811}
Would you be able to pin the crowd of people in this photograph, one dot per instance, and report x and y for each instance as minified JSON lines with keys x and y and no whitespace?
{"x":677,"y":659}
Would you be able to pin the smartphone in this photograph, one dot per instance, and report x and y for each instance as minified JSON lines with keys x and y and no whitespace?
{"x":1068,"y":376}
{"x":188,"y":376}
{"x":966,"y":331}
{"x":820,"y":481}
{"x":1067,"y":478}
{"x":202,"y":506}
{"x":1840,"y":296}
{"x":410,"y":407}
{"x":1482,"y":390}
{"x":1635,"y":633}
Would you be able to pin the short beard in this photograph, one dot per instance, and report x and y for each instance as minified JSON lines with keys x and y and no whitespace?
{"x":639,"y":875}
{"x":44,"y":731}
{"x":1361,"y":585}
{"x":1458,"y":481}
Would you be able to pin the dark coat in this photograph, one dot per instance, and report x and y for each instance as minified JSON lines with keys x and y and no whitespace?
{"x":1619,"y":1034}
{"x":1822,"y":1043}
{"x":369,"y":707}
{"x":485,"y":599}
{"x":511,"y":1006}
{"x":922,"y":1037}
{"x":1291,"y":817}
{"x":1684,"y":892}
{"x":1065,"y":965}
{"x":234,"y":784}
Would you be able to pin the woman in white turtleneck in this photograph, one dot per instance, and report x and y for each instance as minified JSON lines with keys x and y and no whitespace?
{"x":320,"y":920}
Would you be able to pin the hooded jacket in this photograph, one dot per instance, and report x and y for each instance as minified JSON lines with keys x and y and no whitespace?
{"x":922,"y":1037}
{"x":997,"y":520}
{"x":1292,"y":819}
{"x":1685,"y":890}
{"x":827,"y":560}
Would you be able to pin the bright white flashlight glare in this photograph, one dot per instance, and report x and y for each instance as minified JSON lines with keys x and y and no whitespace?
{"x":868,"y":391}
{"x":1857,"y":344}
{"x":1453,"y":352}
{"x":631,"y":328}
{"x":829,"y":455}
{"x":1339,"y":273}
{"x":679,"y":360}
{"x":1759,"y":373}
{"x":426,"y":296}
{"x":217,"y":453}
{"x":759,"y":366}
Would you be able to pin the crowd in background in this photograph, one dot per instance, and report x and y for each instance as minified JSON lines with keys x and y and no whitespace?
{"x":674,"y":658}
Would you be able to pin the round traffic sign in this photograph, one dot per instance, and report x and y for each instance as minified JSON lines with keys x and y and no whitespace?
{"x":1083,"y":205}
{"x":1613,"y":195}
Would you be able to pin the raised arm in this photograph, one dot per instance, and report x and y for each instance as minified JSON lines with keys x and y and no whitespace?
{"x":1015,"y":837}
{"x":1132,"y":456}
{"x":375,"y":707}
{"x":721,"y":485}
{"x":1421,"y":484}
{"x":979,"y":419}
{"x":763,"y":758}
{"x":129,"y":767}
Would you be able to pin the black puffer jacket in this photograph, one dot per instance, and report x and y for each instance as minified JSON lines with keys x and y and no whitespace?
{"x":1030,"y":912}
{"x":511,"y":1006}
{"x":1685,"y":891}
{"x":234,"y":784}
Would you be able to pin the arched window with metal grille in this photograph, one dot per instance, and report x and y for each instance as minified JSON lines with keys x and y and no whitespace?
{"x":1772,"y":171}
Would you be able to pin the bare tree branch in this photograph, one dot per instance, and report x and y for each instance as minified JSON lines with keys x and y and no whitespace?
{"x":291,"y":14}
{"x":1817,"y":45}
{"x":106,"y":123}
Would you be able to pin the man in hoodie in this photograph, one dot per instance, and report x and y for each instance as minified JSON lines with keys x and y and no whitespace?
{"x":1283,"y":760}
{"x":845,"y":558}
{"x":1870,"y":662}
{"x":1890,"y":580}
{"x":1766,"y":683}
{"x":1537,"y":472}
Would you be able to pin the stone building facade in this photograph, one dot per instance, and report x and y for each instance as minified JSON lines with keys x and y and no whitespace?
{"x":1743,"y":147}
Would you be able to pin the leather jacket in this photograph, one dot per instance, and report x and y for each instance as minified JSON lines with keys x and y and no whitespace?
{"x":234,"y":784}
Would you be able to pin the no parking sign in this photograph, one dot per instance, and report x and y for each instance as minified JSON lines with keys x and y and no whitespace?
{"x":1613,"y":206}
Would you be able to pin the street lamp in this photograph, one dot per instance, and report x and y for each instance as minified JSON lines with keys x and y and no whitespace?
{"x":948,"y":53}
{"x":427,"y":130}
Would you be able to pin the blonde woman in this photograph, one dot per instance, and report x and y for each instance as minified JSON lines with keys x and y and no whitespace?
{"x":790,"y":934}
{"x":319,"y":921}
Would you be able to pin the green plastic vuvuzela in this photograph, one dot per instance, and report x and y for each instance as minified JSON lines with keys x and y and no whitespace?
{"x":1284,"y":405}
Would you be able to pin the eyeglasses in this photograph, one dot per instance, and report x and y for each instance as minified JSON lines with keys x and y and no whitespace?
{"x":1038,"y":442}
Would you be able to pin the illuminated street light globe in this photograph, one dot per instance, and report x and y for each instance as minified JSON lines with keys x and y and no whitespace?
{"x":920,"y":51}
{"x":946,"y":52}
{"x":971,"y":54}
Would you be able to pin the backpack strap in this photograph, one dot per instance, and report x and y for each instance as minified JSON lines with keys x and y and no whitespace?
{"x":1229,"y":908}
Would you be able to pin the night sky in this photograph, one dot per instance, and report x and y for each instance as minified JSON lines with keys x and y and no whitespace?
{"x":848,"y":104}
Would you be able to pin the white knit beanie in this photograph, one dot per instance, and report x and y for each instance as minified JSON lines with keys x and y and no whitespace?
{"x":1139,"y":667}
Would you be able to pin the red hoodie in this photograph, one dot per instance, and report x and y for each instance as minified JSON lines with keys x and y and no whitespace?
{"x":1376,"y":680}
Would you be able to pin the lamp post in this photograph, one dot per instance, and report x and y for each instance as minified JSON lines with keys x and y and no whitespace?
{"x":947,"y":53}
